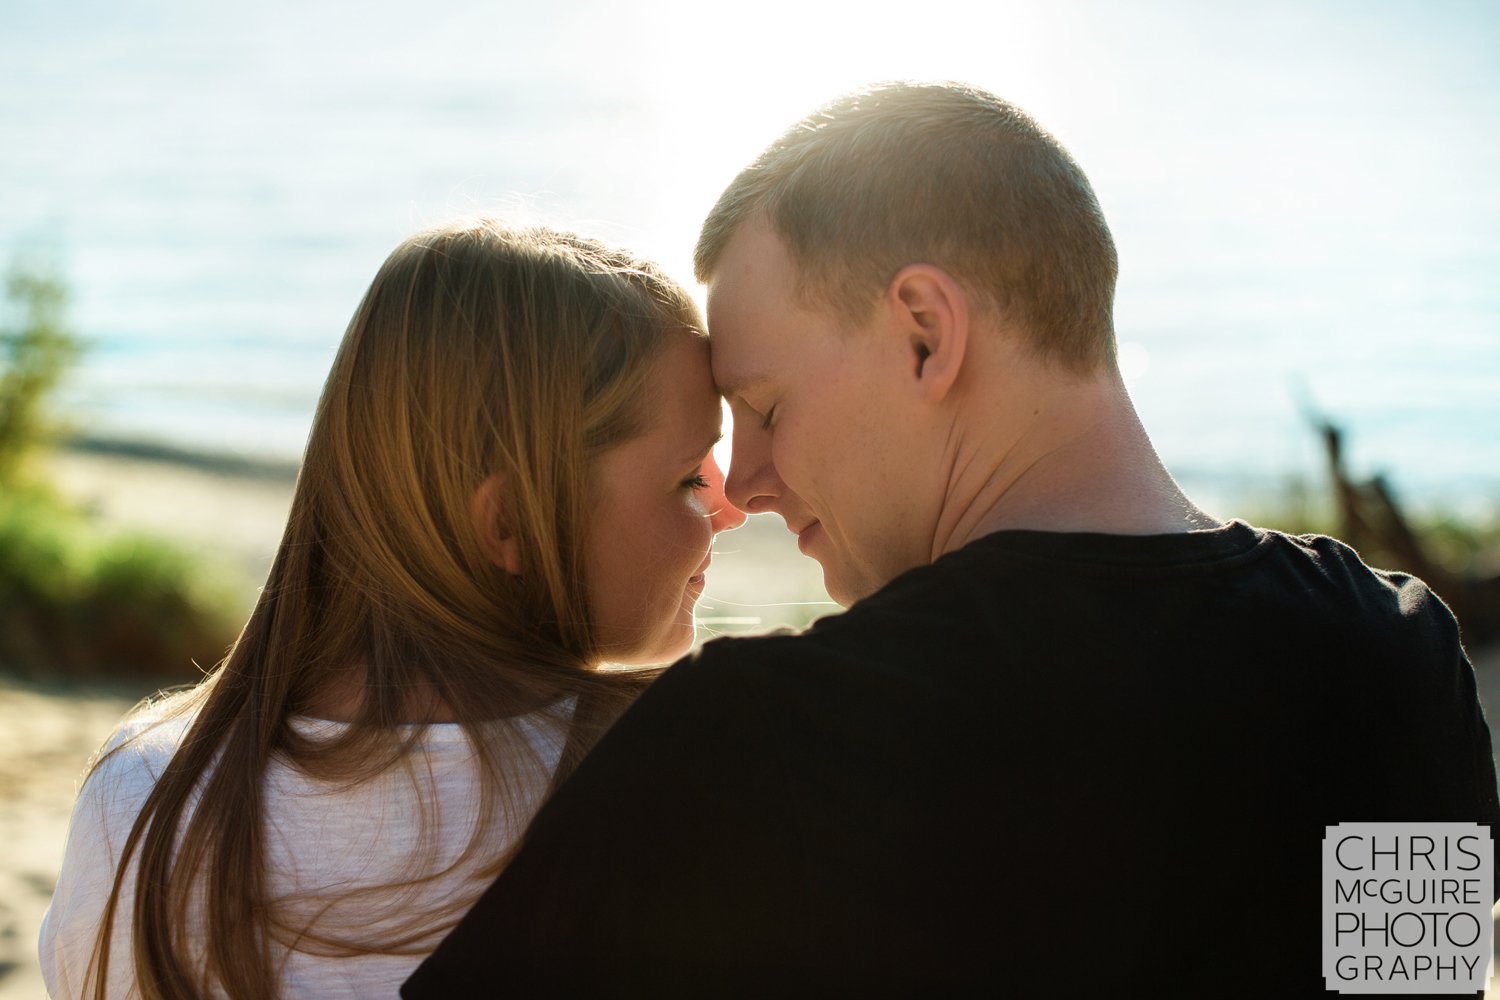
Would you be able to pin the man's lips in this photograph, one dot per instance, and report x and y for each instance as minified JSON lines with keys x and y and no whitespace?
{"x":806,"y":534}
{"x":697,"y":579}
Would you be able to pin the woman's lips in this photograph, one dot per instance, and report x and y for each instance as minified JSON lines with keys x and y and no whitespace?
{"x":806,"y":535}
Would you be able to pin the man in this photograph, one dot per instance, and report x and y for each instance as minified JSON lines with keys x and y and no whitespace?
{"x":1072,"y":733}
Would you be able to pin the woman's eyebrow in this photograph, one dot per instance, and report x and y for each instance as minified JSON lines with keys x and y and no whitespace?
{"x":700,"y":455}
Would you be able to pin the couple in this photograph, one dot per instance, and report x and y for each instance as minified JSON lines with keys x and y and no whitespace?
{"x":1071,"y":733}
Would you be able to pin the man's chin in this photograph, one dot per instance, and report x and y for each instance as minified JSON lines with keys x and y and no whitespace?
{"x":838,"y":587}
{"x":844,"y":587}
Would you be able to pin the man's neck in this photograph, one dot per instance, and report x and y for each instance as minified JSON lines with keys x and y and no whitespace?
{"x":1074,"y":458}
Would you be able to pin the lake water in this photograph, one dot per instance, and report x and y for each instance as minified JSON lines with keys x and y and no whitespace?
{"x":1304,"y":195}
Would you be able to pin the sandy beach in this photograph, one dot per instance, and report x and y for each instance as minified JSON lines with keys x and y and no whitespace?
{"x":235,"y":518}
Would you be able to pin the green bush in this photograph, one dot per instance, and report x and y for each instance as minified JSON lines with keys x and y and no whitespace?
{"x":75,"y":602}
{"x":36,"y":348}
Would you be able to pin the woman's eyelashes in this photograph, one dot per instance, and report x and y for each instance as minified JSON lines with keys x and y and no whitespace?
{"x":695,"y":482}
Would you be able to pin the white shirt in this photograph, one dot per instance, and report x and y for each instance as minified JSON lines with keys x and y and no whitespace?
{"x":324,"y":843}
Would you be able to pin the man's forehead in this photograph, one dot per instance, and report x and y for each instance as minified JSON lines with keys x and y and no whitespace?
{"x":738,"y":345}
{"x":737,"y":299}
{"x":736,"y":369}
{"x":753,"y":269}
{"x":749,"y":308}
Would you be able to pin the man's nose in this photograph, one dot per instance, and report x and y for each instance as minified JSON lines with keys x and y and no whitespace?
{"x":722,"y":515}
{"x":751,"y":484}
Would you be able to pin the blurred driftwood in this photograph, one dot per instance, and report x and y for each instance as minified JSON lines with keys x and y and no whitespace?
{"x":1372,"y":522}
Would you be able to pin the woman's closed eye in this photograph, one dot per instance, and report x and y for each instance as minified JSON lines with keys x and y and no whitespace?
{"x":695,"y":482}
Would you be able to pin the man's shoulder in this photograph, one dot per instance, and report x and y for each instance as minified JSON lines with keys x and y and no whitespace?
{"x":1338,"y":585}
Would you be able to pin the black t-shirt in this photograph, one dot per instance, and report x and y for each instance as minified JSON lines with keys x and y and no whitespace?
{"x":1045,"y":764}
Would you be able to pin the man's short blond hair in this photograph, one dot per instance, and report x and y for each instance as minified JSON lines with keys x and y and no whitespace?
{"x":942,"y":174}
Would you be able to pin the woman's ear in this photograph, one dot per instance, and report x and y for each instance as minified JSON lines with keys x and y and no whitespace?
{"x":934,"y":313}
{"x":487,"y":510}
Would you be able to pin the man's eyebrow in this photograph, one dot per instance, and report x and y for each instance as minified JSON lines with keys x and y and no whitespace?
{"x":737,"y":385}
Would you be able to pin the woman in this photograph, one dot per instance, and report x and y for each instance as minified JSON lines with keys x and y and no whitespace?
{"x":508,"y":484}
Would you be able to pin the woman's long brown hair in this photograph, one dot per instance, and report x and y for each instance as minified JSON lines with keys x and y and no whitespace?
{"x":479,"y":351}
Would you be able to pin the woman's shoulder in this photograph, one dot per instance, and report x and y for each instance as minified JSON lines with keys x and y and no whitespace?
{"x":136,"y":753}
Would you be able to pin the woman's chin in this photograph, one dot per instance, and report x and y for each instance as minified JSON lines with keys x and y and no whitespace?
{"x":667,"y":646}
{"x":674,"y":646}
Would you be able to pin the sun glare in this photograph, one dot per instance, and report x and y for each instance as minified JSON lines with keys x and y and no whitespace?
{"x":723,"y":450}
{"x":721,"y":83}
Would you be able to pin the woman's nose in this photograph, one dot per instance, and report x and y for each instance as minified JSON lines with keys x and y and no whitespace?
{"x":722,"y":515}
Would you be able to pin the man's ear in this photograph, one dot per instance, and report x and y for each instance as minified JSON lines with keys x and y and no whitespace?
{"x":487,"y":510}
{"x":934,"y":313}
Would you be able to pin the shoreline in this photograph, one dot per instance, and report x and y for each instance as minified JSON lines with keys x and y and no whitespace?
{"x":230,"y":516}
{"x":218,"y":463}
